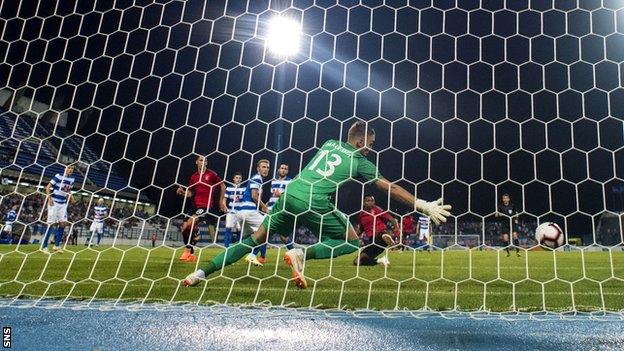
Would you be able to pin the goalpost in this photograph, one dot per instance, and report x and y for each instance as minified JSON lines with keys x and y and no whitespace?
{"x":470,"y":100}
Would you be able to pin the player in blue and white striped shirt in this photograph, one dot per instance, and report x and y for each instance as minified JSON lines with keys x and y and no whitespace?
{"x":278,"y":186}
{"x":11,"y":217}
{"x":100,"y":212}
{"x":233,"y":196}
{"x":59,"y":194}
{"x":248,"y":210}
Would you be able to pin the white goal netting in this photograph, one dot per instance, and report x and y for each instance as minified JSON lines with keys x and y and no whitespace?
{"x":470,"y":100}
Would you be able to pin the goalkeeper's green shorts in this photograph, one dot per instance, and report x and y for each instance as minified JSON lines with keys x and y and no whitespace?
{"x":318,"y":215}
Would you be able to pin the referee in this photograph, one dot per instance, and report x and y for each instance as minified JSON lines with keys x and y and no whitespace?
{"x":508,"y":217}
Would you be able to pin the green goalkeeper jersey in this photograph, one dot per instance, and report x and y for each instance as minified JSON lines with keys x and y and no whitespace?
{"x":335,"y":163}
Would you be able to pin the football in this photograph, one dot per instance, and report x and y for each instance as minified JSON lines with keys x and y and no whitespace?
{"x":549,"y":234}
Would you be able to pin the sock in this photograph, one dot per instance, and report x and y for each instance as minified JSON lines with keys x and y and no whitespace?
{"x":260,"y":251}
{"x":46,"y":237}
{"x":324,"y":249}
{"x":99,"y":238}
{"x":59,"y":236}
{"x":516,"y":243}
{"x":507,"y":249}
{"x":290,"y":244}
{"x":227,"y":237}
{"x":230,"y":255}
{"x":190,"y":248}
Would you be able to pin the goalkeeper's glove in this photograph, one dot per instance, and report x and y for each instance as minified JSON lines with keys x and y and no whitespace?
{"x":434,"y":209}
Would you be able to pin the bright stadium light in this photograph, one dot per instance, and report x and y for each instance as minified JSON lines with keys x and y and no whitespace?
{"x":283,"y":36}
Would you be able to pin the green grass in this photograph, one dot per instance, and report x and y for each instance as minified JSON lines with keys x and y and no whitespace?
{"x":467,"y":280}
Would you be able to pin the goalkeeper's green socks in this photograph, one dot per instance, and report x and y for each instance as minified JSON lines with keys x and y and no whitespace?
{"x":325,"y":249}
{"x":331,"y":248}
{"x":230,"y":255}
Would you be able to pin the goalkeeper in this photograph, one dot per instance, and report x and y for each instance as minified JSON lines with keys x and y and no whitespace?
{"x":306,"y":202}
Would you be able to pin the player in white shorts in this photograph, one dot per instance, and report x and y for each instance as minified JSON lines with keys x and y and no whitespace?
{"x":233,"y":196}
{"x":59,"y":194}
{"x":248,"y":210}
{"x":424,"y":232}
{"x":100,"y":212}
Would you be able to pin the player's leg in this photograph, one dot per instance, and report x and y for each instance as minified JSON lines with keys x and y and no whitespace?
{"x":51,"y":222}
{"x":230,"y":222}
{"x":253,"y":221}
{"x":230,"y":255}
{"x":290,"y":244}
{"x":46,"y":237}
{"x":368,"y":255}
{"x":278,"y":221}
{"x":337,"y":237}
{"x":262,"y":250}
{"x":260,"y":253}
{"x":188,"y":229}
{"x":212,"y":230}
{"x":6,"y":233}
{"x":92,"y":230}
{"x":427,"y":242}
{"x":100,"y":232}
{"x":60,"y":229}
{"x":516,"y":243}
{"x":506,"y":242}
{"x":194,"y":233}
{"x":58,"y":237}
{"x":227,"y":237}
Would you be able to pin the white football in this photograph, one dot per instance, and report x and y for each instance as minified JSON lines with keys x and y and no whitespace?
{"x":549,"y":234}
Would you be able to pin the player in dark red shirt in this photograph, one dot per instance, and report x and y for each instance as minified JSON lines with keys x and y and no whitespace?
{"x":201,"y":188}
{"x":373,"y":223}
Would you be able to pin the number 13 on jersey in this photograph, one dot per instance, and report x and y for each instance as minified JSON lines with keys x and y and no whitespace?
{"x":331,"y":162}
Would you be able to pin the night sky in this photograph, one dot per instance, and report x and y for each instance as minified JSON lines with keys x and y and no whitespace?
{"x":468,"y":102}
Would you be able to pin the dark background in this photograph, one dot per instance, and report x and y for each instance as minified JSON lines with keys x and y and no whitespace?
{"x":469,"y":102}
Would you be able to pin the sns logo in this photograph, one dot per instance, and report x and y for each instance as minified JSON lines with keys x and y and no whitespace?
{"x":6,"y":337}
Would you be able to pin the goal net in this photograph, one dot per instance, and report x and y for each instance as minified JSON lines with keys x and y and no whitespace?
{"x":470,"y":100}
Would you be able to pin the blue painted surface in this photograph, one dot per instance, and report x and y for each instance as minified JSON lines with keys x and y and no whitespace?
{"x":234,"y":329}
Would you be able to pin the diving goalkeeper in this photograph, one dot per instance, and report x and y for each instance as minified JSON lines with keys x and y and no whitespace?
{"x":307,"y":197}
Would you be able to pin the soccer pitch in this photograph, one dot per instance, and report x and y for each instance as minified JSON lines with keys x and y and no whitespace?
{"x":463,"y":280}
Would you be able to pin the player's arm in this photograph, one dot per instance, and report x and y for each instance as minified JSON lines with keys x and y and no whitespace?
{"x":395,"y":224}
{"x":255,"y":196}
{"x":222,"y":204}
{"x":434,"y":209}
{"x":48,"y":191}
{"x":184,"y":192}
{"x":278,"y":192}
{"x":359,"y":227}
